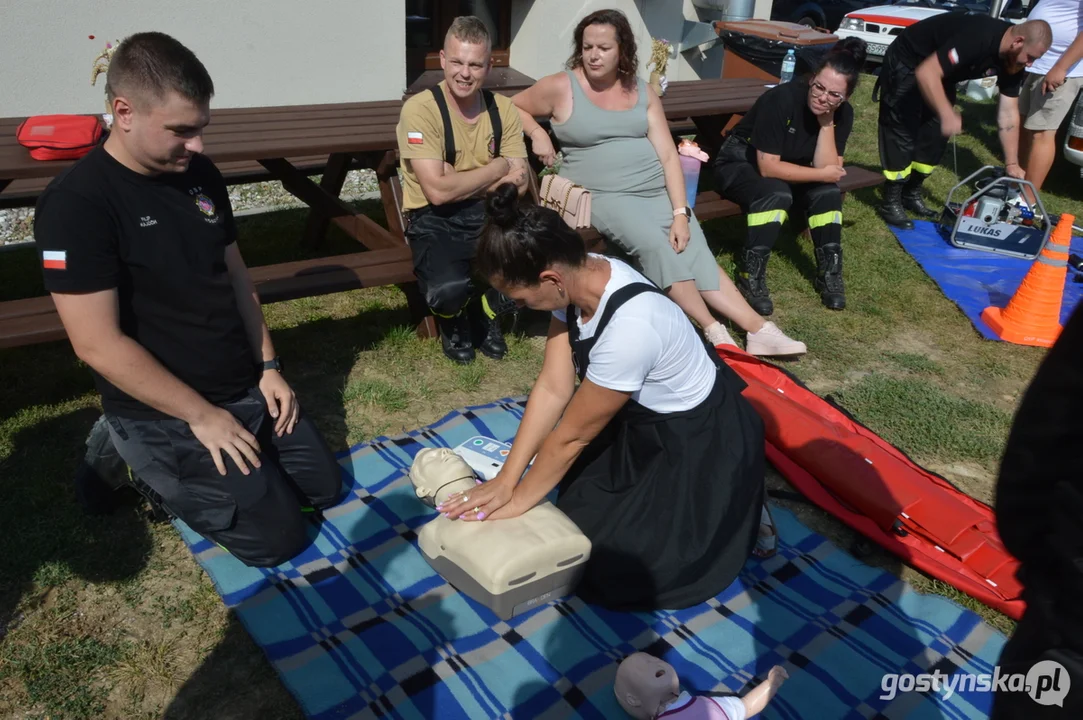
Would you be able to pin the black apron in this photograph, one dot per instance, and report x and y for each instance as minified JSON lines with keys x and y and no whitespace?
{"x":671,"y":502}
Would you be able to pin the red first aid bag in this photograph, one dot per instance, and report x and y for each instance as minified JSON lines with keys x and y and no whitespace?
{"x":59,"y":137}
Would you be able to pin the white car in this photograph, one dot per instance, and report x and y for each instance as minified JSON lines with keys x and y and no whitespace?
{"x":878,"y":25}
{"x":1073,"y":141}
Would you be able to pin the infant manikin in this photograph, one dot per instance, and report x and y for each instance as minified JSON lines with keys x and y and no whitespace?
{"x":510,"y":565}
{"x":646,"y":687}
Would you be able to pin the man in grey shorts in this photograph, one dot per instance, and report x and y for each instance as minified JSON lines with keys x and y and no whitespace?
{"x":1051,"y":86}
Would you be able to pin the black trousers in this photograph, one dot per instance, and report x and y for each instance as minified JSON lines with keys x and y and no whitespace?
{"x":443,"y":239}
{"x":909,"y":130}
{"x":767,"y":202}
{"x":257,"y":517}
{"x":1038,"y":637}
{"x":1039,"y":515}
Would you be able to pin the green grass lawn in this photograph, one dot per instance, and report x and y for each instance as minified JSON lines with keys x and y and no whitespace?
{"x":111,"y":617}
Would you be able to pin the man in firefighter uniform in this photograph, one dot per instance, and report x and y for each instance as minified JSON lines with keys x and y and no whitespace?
{"x":917,"y":97}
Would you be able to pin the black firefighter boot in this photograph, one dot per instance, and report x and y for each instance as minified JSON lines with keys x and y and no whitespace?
{"x":455,"y":337}
{"x":751,"y":280}
{"x":485,"y":314}
{"x":891,"y":210}
{"x":829,"y":276}
{"x":911,"y":197}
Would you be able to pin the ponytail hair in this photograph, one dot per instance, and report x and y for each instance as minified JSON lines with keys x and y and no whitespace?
{"x":520,"y":240}
{"x":846,"y":57}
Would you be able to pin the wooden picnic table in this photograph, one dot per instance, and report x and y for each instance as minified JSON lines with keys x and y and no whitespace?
{"x":712,"y":105}
{"x":709,"y":104}
{"x":242,"y":138}
{"x":288,"y":143}
{"x":270,"y":136}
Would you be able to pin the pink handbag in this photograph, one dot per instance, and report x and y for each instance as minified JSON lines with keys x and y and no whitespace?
{"x":570,"y":200}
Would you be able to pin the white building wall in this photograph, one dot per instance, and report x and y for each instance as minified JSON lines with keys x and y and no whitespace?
{"x":285,"y":52}
{"x":542,"y":33}
{"x":258,"y":52}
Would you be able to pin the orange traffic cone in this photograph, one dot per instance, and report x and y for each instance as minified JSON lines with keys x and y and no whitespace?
{"x":1033,"y":314}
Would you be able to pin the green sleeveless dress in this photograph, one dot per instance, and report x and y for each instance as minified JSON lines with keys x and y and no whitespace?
{"x":608,"y":153}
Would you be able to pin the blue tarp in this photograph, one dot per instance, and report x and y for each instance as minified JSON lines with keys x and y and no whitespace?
{"x":973,"y":279}
{"x":360,"y":626}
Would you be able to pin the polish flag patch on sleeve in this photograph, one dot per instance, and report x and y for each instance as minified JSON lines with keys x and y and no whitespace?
{"x":54,"y":259}
{"x":415,"y":138}
{"x":953,"y":56}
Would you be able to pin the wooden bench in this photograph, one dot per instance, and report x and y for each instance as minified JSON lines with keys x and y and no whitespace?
{"x":35,"y":320}
{"x":285,"y":143}
{"x":24,"y":193}
{"x":710,"y":205}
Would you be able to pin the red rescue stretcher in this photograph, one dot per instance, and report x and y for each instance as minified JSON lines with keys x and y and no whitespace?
{"x":872,"y":486}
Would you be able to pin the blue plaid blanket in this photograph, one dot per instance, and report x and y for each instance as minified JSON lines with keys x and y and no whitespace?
{"x":359,"y":626}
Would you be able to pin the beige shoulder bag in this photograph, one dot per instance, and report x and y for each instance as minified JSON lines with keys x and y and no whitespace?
{"x":570,"y":200}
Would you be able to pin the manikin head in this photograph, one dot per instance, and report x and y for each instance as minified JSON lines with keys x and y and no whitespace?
{"x":645,"y":685}
{"x":1024,"y":43}
{"x":438,"y":473}
{"x":159,"y":94}
{"x":466,"y":57}
{"x":528,"y":253}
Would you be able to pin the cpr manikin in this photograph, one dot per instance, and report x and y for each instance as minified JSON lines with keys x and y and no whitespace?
{"x":510,"y":565}
{"x":647,"y":687}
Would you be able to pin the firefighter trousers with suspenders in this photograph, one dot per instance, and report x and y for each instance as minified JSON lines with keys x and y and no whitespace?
{"x":443,"y":237}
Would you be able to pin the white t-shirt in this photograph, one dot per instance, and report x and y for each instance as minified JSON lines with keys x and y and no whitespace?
{"x":649,"y":348}
{"x":1065,"y":17}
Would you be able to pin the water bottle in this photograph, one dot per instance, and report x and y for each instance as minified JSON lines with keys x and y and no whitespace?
{"x":692,"y":158}
{"x":690,"y":168}
{"x":788,"y":64}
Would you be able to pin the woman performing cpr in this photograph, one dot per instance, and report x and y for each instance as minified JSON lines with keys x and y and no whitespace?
{"x":658,"y":457}
{"x":789,"y":147}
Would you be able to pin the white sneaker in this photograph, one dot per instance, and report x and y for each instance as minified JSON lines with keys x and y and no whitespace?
{"x":717,"y":335}
{"x":771,"y":341}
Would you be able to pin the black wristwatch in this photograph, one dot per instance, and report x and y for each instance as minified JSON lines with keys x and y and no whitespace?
{"x":275,"y":364}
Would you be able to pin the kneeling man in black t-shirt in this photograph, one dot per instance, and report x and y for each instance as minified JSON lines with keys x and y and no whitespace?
{"x":139,"y":251}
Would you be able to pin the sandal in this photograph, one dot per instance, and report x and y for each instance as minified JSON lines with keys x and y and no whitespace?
{"x":767,"y":539}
